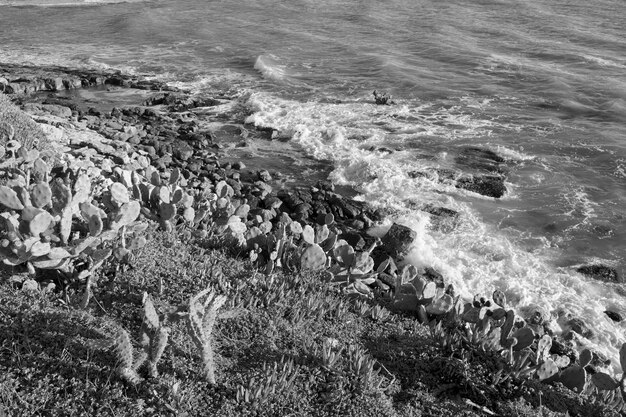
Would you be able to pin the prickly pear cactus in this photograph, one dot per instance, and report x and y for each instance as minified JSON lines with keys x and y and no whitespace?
{"x":585,"y":357}
{"x":499,"y":298}
{"x":547,"y":370}
{"x":441,"y":305}
{"x":9,"y":198}
{"x":313,"y":258}
{"x":574,"y":378}
{"x":41,"y":195}
{"x":525,"y":337}
{"x":604,"y":382}
{"x":543,"y":347}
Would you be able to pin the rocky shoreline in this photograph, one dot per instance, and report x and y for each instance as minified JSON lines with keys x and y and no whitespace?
{"x":108,"y":116}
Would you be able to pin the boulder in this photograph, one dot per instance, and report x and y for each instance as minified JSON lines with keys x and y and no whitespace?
{"x":481,"y":159}
{"x":487,"y":185}
{"x":442,"y":219}
{"x":398,"y":240}
{"x":614,"y":315}
{"x":433,"y":275}
{"x":600,"y":272}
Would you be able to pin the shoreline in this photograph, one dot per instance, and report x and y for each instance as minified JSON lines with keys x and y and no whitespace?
{"x":167,"y":128}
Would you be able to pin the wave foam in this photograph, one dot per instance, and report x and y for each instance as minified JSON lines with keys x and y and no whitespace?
{"x":476,"y":257}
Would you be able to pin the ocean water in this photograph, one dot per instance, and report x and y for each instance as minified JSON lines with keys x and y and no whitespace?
{"x":541,"y":83}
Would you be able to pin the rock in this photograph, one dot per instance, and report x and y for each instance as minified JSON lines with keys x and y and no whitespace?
{"x":563,"y":348}
{"x":487,"y":185}
{"x":43,"y":109}
{"x":264,"y":175}
{"x":433,"y":275}
{"x":481,"y":160}
{"x":182,"y":151}
{"x":239,"y":165}
{"x":398,"y":240}
{"x":354,"y":239}
{"x":600,"y":272}
{"x":614,"y":315}
{"x":443,"y":219}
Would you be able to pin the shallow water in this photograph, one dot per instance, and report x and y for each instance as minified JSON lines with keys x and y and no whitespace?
{"x":540,"y":83}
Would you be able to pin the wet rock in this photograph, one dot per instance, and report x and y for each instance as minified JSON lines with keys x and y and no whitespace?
{"x":398,"y":240}
{"x":443,"y":219}
{"x":487,"y":185}
{"x":563,"y":348}
{"x":433,"y":275}
{"x":354,"y":239}
{"x":600,"y":272}
{"x":614,"y":315}
{"x":481,"y":159}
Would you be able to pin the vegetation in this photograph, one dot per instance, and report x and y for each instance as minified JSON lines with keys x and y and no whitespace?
{"x":127,"y":291}
{"x":15,"y":125}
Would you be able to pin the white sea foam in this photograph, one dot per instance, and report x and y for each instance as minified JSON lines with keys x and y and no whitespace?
{"x":475,"y":257}
{"x":270,"y":67}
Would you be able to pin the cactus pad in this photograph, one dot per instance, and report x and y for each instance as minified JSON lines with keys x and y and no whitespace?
{"x":39,"y":223}
{"x":128,"y":213}
{"x":499,"y":298}
{"x":525,"y":337}
{"x":164,"y":195}
{"x":8,"y":198}
{"x":543,"y":347}
{"x":429,"y":291}
{"x":95,"y":225}
{"x":167,"y":211}
{"x":585,"y":357}
{"x":604,"y":382}
{"x":574,"y":378}
{"x":313,"y":258}
{"x":321,"y":233}
{"x":119,"y":193}
{"x":441,"y":305}
{"x":547,"y":369}
{"x":41,"y":195}
{"x":295,"y":228}
{"x":308,"y":234}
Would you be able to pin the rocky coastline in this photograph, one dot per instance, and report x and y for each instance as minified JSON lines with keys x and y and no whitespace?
{"x":107,"y":117}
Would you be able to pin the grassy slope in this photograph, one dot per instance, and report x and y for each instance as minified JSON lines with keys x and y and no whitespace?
{"x":25,"y":130}
{"x":46,"y":367}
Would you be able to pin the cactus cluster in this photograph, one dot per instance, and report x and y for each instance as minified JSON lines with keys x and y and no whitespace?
{"x":46,"y":222}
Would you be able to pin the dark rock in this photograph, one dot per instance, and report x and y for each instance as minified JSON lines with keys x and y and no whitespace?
{"x":264,"y":175}
{"x":444,"y":219}
{"x":481,"y":159}
{"x":355,"y":224}
{"x":398,"y":240}
{"x":433,"y":275}
{"x":487,"y":185}
{"x":272,"y":202}
{"x":600,"y":272}
{"x":614,"y":315}
{"x":182,"y":151}
{"x":563,"y":348}
{"x":354,"y":239}
{"x":239,"y":165}
{"x":579,"y":326}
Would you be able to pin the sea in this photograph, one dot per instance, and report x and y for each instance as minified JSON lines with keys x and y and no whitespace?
{"x":542,"y":83}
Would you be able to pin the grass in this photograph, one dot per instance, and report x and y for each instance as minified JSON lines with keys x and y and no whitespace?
{"x":287,"y":345}
{"x":26,"y":131}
